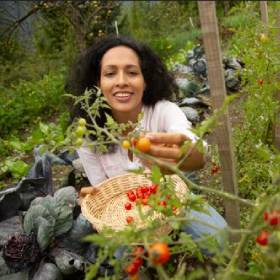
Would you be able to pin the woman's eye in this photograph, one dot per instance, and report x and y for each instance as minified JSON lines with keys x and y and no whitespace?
{"x":133,"y":73}
{"x":109,"y":74}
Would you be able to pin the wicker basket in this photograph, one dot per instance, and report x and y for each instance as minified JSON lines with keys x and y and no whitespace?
{"x":105,"y":208}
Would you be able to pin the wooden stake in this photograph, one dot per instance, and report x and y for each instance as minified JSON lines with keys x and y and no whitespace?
{"x":208,"y":20}
{"x":264,"y":13}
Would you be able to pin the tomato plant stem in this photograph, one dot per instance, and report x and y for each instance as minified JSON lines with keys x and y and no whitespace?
{"x":241,"y":245}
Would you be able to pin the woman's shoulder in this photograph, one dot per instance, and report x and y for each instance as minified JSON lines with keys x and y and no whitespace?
{"x":162,"y":115}
{"x":161,"y":106}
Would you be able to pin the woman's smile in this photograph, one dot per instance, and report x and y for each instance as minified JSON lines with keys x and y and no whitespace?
{"x":123,"y":96}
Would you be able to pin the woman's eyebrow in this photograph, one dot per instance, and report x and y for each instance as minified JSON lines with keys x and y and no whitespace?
{"x":126,"y":66}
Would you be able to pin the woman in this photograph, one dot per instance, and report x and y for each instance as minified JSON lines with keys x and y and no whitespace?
{"x":133,"y":79}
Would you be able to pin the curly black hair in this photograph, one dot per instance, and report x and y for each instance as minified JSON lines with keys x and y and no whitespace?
{"x":85,"y":73}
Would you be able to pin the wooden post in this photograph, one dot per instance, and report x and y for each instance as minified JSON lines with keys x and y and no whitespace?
{"x":211,"y":41}
{"x":276,"y":128}
{"x":264,"y":13}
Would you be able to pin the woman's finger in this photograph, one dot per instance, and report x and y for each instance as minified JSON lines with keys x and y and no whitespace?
{"x":164,"y":170}
{"x":87,"y":190}
{"x":165,"y":152}
{"x":167,"y":138}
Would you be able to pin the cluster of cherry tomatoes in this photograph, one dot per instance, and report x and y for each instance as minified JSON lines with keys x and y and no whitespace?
{"x":273,"y":219}
{"x":142,"y":144}
{"x":158,"y":254}
{"x":80,"y":131}
{"x":137,"y":261}
{"x":141,"y":194}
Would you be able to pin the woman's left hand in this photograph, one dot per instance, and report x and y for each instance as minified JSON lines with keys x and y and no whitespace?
{"x":166,"y":146}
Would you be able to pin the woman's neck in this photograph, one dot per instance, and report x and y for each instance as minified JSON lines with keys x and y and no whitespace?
{"x":125,"y":117}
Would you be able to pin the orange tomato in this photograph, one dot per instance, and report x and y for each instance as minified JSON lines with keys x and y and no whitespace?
{"x":159,"y":253}
{"x":143,"y":144}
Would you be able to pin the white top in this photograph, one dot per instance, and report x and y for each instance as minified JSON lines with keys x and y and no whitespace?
{"x":165,"y":116}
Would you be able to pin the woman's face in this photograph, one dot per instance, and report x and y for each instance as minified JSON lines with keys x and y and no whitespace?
{"x":122,"y":82}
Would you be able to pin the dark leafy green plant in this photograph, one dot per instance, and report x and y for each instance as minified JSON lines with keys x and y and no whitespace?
{"x":49,"y":217}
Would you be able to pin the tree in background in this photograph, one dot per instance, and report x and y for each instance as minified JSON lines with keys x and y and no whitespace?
{"x":165,"y":25}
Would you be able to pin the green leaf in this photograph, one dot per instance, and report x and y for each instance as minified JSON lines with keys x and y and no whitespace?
{"x":48,"y":202}
{"x":18,"y":168}
{"x":64,"y":220}
{"x":45,"y":232}
{"x":30,"y":219}
{"x":156,"y":174}
{"x":109,"y":120}
{"x":66,"y":196}
{"x":44,"y":128}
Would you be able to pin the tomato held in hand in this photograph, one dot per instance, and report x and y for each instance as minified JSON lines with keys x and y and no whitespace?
{"x":143,"y":144}
{"x":125,"y":144}
{"x":159,"y":253}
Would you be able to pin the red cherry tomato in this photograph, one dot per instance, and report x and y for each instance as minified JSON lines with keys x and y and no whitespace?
{"x":148,"y":193}
{"x":266,"y":216}
{"x":144,"y":189}
{"x":131,"y":269}
{"x":138,"y":262}
{"x":154,"y":188}
{"x":274,"y":218}
{"x":215,"y":169}
{"x":139,"y":193}
{"x":131,"y":196}
{"x":262,"y":238}
{"x":260,"y":82}
{"x":144,"y":201}
{"x":129,"y":219}
{"x":127,"y":206}
{"x":162,"y":203}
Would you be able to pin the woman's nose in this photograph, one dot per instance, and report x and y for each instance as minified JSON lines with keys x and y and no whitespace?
{"x":122,"y":79}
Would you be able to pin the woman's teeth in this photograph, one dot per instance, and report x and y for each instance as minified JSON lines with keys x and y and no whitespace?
{"x":122,"y":94}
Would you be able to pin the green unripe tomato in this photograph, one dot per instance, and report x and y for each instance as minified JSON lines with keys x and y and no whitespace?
{"x":80,"y":131}
{"x":79,"y":142}
{"x":82,"y":122}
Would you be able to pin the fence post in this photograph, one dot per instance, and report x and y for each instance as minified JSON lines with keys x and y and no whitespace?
{"x":211,"y":41}
{"x":276,"y":127}
{"x":264,"y":13}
